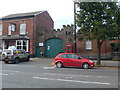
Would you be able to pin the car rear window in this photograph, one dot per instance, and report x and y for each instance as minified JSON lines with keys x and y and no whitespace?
{"x":63,"y":56}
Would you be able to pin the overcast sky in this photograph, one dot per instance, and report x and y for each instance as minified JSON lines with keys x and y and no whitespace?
{"x":61,"y":11}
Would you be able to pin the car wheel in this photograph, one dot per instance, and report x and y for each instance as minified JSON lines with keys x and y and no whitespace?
{"x":28,"y":58}
{"x":3,"y":55}
{"x":16,"y":61}
{"x":6,"y":62}
{"x":59,"y":65}
{"x":85,"y":66}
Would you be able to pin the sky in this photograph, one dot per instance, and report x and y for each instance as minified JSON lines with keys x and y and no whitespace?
{"x":61,"y":11}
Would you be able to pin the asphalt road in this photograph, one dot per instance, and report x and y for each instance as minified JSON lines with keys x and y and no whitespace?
{"x":40,"y":74}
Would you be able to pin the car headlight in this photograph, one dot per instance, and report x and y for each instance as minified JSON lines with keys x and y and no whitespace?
{"x":91,"y":61}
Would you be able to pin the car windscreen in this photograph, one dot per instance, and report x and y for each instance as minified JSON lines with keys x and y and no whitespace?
{"x":8,"y":51}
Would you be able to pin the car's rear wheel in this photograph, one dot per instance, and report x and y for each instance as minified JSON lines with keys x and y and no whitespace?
{"x":85,"y":66}
{"x":16,"y":60}
{"x":59,"y":65}
{"x":28,"y":58}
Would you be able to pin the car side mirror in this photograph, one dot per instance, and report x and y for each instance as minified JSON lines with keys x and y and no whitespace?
{"x":79,"y":58}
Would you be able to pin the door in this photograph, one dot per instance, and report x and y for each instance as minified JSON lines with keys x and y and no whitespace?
{"x":74,"y":60}
{"x":53,"y":47}
{"x":37,"y":51}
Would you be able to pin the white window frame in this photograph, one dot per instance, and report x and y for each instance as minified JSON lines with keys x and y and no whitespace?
{"x":23,"y":29}
{"x":9,"y":29}
{"x":88,"y":44}
{"x":13,"y":27}
{"x":27,"y":44}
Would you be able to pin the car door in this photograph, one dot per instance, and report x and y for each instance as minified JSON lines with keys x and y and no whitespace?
{"x":64,"y":59}
{"x":24,"y":54}
{"x":21,"y":54}
{"x":74,"y":60}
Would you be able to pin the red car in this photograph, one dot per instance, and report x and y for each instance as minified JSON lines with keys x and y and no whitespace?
{"x":72,"y":59}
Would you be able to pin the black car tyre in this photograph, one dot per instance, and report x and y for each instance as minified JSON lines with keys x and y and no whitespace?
{"x":6,"y":62}
{"x":85,"y":66}
{"x":28,"y":58}
{"x":59,"y":65}
{"x":3,"y":55}
{"x":16,"y":61}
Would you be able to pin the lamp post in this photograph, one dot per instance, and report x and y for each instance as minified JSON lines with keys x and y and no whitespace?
{"x":75,"y":49}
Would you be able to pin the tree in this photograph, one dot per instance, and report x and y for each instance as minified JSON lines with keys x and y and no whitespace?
{"x":97,"y":21}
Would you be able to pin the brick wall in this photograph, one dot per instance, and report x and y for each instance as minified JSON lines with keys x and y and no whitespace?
{"x":44,"y":20}
{"x":105,"y":49}
{"x":17,"y":22}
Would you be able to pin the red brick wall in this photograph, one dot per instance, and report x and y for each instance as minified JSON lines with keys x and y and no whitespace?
{"x":81,"y":47}
{"x":41,"y":20}
{"x":44,"y":20}
{"x":28,"y":21}
{"x":29,"y":28}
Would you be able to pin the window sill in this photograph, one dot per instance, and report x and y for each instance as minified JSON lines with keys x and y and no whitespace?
{"x":88,"y":49}
{"x":22,"y":34}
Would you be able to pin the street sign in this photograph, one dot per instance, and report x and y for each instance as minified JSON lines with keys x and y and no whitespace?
{"x":41,"y":44}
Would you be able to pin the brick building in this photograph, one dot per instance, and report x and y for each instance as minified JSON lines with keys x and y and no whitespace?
{"x":20,"y":29}
{"x":51,"y":41}
{"x":34,"y":32}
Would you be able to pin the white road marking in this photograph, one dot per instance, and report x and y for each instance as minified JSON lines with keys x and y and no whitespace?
{"x":3,"y":74}
{"x":51,"y":74}
{"x":10,"y":71}
{"x":48,"y":67}
{"x":64,"y":80}
{"x":11,"y":65}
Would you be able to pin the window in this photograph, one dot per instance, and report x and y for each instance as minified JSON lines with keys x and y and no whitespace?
{"x":0,"y":29}
{"x":9,"y":29}
{"x":69,"y":32}
{"x":23,"y":29}
{"x":66,"y":33}
{"x":63,"y":56}
{"x":88,"y":44}
{"x":40,"y":34}
{"x":13,"y":27}
{"x":73,"y":56}
{"x":22,"y":44}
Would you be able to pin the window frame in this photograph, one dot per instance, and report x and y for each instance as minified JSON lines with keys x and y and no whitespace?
{"x":9,"y":29}
{"x":21,"y":45}
{"x":88,"y":44}
{"x":64,"y":57}
{"x":23,"y":28}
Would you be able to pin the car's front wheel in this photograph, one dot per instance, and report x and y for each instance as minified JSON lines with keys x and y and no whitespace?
{"x":85,"y":66}
{"x":59,"y":65}
{"x":6,"y":62}
{"x":16,"y":60}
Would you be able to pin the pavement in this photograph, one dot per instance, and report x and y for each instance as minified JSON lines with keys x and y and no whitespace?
{"x":104,"y":63}
{"x":108,"y":64}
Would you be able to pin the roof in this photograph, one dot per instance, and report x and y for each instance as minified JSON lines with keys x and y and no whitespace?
{"x":22,"y":15}
{"x":14,"y":38}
